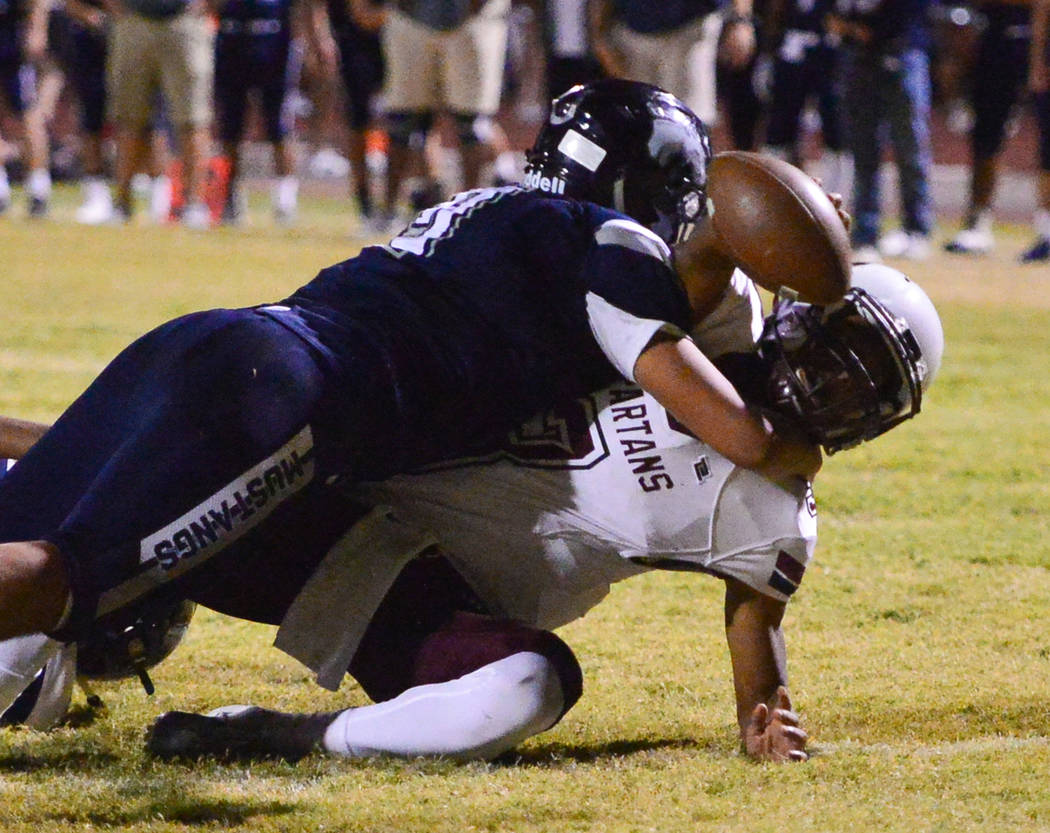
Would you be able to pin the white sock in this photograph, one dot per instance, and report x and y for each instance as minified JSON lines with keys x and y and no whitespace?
{"x":20,"y":660}
{"x":38,"y":183}
{"x":5,"y":185}
{"x":1041,"y":223}
{"x":476,"y":717}
{"x":160,"y":199}
{"x":286,"y":194}
{"x":982,"y":221}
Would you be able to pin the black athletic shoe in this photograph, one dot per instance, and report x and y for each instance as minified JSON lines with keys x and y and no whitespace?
{"x":1039,"y":252}
{"x":38,"y":208}
{"x":251,"y":733}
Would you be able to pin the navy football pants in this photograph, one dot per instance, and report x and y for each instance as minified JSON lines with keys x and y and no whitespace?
{"x":188,"y":440}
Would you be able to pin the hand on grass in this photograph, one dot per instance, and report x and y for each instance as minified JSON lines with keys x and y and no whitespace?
{"x":775,"y":735}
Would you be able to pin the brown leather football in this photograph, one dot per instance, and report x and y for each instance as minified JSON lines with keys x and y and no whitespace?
{"x":779,"y":225}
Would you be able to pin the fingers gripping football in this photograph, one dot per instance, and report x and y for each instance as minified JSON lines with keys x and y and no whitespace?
{"x":774,"y":734}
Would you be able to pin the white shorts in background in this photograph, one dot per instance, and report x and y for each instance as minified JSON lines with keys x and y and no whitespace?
{"x":681,"y":61}
{"x":460,"y":70}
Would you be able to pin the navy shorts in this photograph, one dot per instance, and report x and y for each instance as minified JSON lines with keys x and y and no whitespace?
{"x":793,"y":84}
{"x":17,"y":78}
{"x":84,"y":61}
{"x":246,"y":62}
{"x":191,"y":438}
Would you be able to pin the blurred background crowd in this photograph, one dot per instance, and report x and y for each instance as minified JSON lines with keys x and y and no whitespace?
{"x":172,"y":110}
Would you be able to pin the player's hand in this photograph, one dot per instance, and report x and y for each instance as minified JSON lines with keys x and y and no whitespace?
{"x":838,"y":201}
{"x":774,"y":735}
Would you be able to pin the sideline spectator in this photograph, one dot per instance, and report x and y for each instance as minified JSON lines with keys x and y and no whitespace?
{"x":1039,"y":86}
{"x":345,"y":33}
{"x":165,"y":45}
{"x":442,"y":57}
{"x":675,"y":44}
{"x":886,"y":70}
{"x":804,"y":63}
{"x":570,"y":60}
{"x":84,"y":59}
{"x":23,"y":53}
{"x":253,"y":53}
{"x":998,"y":79}
{"x":736,"y":84}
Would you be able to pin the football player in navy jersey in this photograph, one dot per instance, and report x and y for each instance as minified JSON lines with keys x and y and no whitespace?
{"x":253,"y":51}
{"x":488,"y":308}
{"x":577,"y":498}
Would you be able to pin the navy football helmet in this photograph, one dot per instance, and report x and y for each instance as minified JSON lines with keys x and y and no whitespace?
{"x":628,"y":146}
{"x":128,"y":642}
{"x":853,"y":370}
{"x":122,"y":645}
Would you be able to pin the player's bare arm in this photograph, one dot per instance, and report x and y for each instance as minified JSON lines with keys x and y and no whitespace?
{"x":769,"y":727}
{"x":688,"y":384}
{"x":17,"y":436}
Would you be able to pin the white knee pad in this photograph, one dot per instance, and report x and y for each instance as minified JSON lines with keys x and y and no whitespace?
{"x":478,"y":716}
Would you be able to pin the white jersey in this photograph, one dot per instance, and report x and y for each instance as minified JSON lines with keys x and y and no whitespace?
{"x":579,"y":501}
{"x":607,"y":489}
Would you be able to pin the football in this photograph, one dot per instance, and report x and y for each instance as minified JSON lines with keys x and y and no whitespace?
{"x":778,"y":225}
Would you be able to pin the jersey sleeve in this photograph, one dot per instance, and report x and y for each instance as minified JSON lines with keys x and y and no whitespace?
{"x":735,"y":325}
{"x":633,"y":292}
{"x":762,"y":535}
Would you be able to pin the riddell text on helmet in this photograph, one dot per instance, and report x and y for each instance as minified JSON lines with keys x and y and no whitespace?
{"x":550,"y":184}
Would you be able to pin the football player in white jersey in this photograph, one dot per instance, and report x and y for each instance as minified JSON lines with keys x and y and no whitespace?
{"x":576,"y":501}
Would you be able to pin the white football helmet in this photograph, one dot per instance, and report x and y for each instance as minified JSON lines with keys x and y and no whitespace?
{"x":854,"y":369}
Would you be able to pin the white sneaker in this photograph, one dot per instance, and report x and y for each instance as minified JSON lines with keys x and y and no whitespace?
{"x":910,"y":245}
{"x":971,"y":241}
{"x":866,"y":254}
{"x":893,"y":244}
{"x":196,"y":216}
{"x":97,"y":208}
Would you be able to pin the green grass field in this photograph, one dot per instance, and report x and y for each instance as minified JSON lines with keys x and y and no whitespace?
{"x":919,"y":643}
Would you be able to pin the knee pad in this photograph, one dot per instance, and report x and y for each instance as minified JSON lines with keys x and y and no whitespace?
{"x":406,"y":127}
{"x":472,"y":129}
{"x":478,"y":716}
{"x":469,"y":642}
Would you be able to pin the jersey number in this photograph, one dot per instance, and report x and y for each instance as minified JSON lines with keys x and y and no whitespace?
{"x":441,"y":221}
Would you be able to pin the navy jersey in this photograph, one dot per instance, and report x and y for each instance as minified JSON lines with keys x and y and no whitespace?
{"x":488,"y":308}
{"x":485,"y":309}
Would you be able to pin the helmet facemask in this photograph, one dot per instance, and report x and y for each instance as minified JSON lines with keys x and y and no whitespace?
{"x":848,"y":372}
